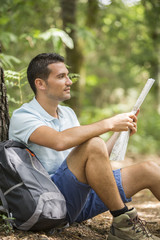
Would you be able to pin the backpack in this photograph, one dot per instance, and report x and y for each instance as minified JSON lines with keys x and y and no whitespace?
{"x":28,"y":194}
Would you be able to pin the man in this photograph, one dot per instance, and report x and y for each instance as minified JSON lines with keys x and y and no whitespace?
{"x":76,"y":158}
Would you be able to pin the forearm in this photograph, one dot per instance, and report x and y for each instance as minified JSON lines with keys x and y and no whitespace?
{"x":111,"y":141}
{"x":77,"y":135}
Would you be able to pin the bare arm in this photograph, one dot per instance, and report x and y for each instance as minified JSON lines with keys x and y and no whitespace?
{"x":72,"y":137}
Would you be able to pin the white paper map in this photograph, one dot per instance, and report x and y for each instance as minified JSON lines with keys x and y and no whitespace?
{"x":120,"y":146}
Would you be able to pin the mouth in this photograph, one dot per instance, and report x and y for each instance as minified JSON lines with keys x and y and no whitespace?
{"x":67,"y":90}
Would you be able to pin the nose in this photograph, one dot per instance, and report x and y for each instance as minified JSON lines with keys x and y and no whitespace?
{"x":69,"y":81}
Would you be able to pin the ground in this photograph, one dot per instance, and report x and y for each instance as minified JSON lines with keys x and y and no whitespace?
{"x":97,"y":228}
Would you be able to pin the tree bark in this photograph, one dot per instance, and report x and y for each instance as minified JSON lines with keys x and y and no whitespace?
{"x":74,"y":57}
{"x":152,"y":17}
{"x":92,"y":13}
{"x":4,"y":115}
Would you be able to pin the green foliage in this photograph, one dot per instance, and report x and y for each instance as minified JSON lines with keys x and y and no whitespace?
{"x":58,"y":37}
{"x":8,"y":61}
{"x":16,"y":81}
{"x":147,"y":138}
{"x":5,"y":224}
{"x":74,"y":77}
{"x":6,"y":38}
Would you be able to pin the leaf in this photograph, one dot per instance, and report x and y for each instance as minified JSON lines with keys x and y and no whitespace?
{"x":7,"y":60}
{"x":15,"y":76}
{"x":13,"y":100}
{"x":74,"y":77}
{"x":7,"y":37}
{"x":56,"y":34}
{"x":11,"y":75}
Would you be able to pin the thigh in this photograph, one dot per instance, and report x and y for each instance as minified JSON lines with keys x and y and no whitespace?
{"x":78,"y":157}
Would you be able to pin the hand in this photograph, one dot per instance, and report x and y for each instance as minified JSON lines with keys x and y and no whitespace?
{"x":124,"y":122}
{"x":134,"y":128}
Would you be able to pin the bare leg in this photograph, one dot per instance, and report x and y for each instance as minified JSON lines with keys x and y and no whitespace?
{"x":90,"y":163}
{"x":141,"y":176}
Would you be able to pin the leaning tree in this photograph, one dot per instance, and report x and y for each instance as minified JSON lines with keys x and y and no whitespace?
{"x":4,"y":115}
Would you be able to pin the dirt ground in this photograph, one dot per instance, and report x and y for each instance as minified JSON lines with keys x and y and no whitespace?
{"x":97,"y":228}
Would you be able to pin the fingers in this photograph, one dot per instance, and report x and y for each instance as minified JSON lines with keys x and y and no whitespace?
{"x":137,"y":112}
{"x":132,"y":123}
{"x":130,"y":119}
{"x":133,"y":129}
{"x":134,"y":116}
{"x":124,"y":122}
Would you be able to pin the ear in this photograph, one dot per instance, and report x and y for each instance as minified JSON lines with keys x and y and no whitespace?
{"x":40,"y":84}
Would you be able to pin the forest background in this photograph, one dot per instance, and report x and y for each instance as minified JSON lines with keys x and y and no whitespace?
{"x":111,"y":49}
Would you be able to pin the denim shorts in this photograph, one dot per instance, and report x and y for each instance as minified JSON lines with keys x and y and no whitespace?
{"x":81,"y":200}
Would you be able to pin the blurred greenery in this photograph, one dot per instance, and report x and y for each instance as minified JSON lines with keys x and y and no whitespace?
{"x":120,"y":49}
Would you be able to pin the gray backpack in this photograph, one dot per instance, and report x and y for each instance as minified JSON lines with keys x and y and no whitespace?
{"x":27,"y":193}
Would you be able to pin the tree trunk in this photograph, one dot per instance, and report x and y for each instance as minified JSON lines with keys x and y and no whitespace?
{"x":92,"y":13}
{"x":152,"y":16}
{"x":4,"y":115}
{"x":74,"y":57}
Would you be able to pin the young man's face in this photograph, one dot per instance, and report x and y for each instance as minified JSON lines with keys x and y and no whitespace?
{"x":58,"y":83}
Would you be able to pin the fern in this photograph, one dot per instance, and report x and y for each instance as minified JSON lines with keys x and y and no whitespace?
{"x":13,"y":78}
{"x":6,"y":60}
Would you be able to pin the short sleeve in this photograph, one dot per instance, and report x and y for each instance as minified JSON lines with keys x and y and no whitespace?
{"x":23,"y":123}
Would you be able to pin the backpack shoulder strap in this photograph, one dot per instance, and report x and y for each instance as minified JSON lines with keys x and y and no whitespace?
{"x":12,"y":143}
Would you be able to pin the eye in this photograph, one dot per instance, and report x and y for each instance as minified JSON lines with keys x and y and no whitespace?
{"x":61,"y":76}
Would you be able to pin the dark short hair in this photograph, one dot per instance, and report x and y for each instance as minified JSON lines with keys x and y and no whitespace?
{"x":38,"y":67}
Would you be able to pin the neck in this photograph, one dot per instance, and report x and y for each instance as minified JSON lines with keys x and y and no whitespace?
{"x":48,"y":105}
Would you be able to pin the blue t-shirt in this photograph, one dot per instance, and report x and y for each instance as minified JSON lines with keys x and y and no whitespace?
{"x":28,"y":118}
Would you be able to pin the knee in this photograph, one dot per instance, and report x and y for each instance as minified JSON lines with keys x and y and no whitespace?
{"x":97,"y":146}
{"x":149,"y":167}
{"x":150,"y":173}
